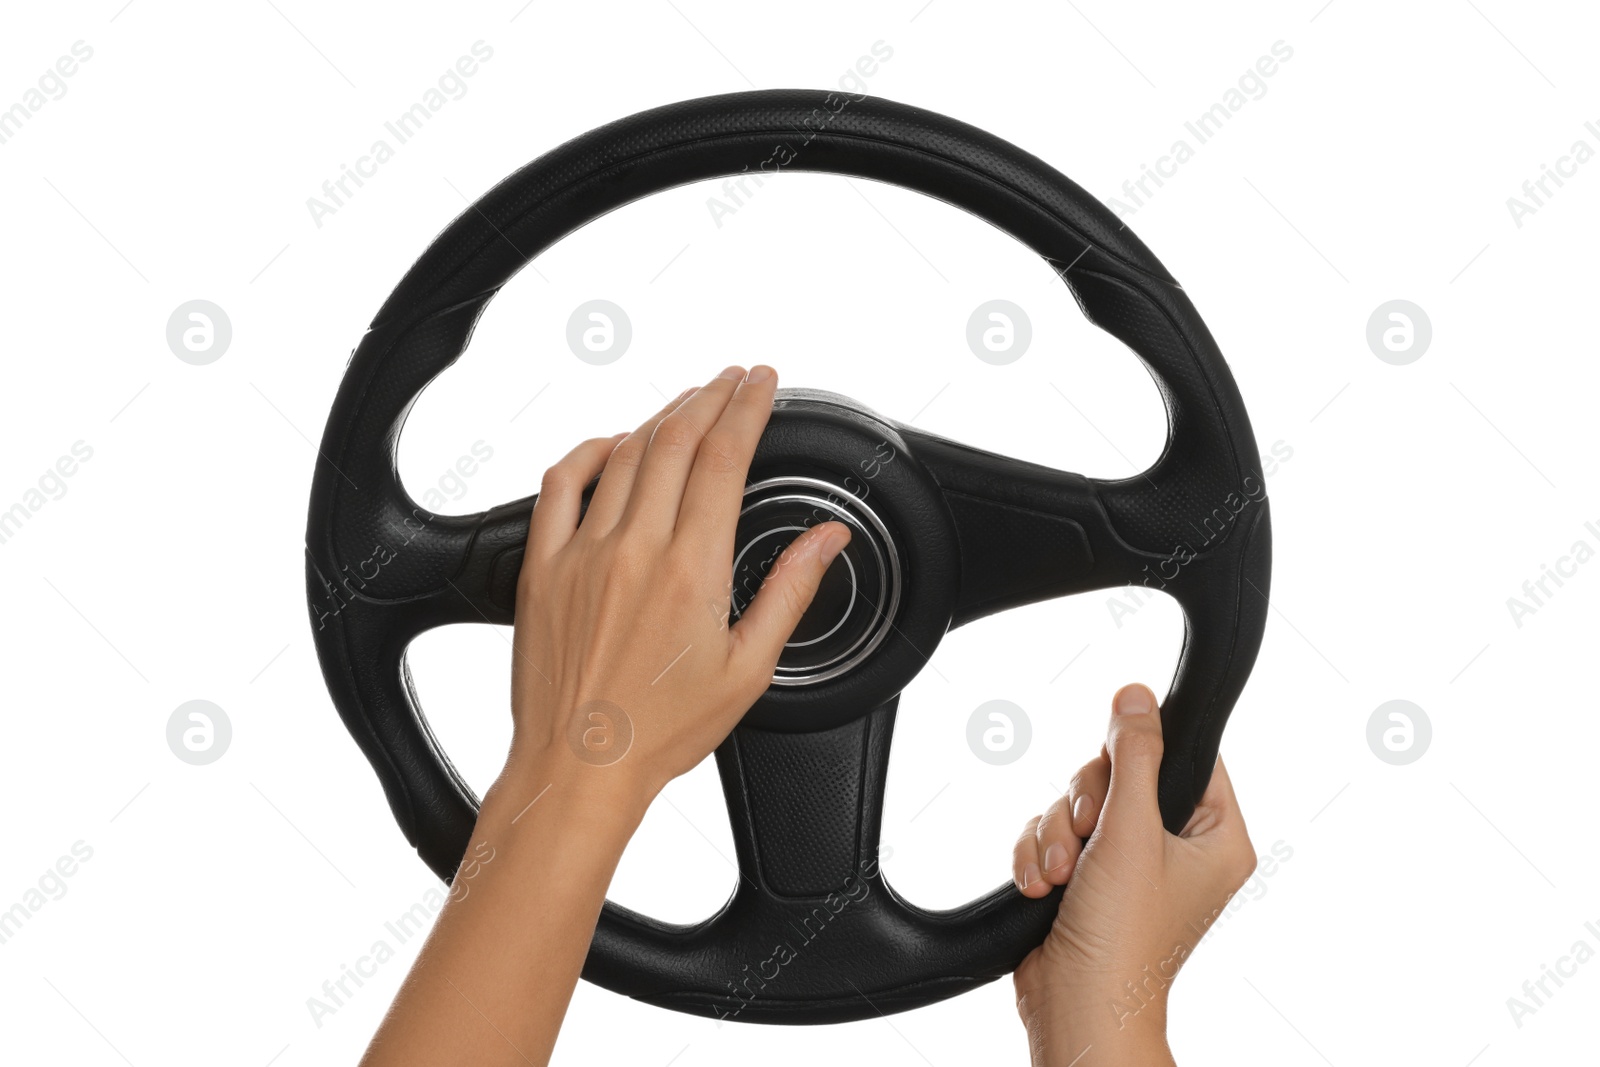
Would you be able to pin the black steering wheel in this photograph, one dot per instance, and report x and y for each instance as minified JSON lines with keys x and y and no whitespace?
{"x":945,"y":534}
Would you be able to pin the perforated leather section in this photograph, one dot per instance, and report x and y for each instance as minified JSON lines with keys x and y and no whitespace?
{"x":804,"y":796}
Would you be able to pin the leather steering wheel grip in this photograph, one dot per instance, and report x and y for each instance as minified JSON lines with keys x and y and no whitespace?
{"x":381,"y":569}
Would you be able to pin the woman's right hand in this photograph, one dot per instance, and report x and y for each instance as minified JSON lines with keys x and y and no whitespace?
{"x":626,"y":671}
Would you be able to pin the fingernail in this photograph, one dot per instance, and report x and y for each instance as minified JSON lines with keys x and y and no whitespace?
{"x":759,"y":373}
{"x":1030,"y":875}
{"x":1134,"y":700}
{"x":1080,"y":810}
{"x":834,"y":543}
{"x":732,"y":374}
{"x":1055,"y":857}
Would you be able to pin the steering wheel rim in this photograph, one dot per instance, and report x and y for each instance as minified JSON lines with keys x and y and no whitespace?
{"x":381,"y":569}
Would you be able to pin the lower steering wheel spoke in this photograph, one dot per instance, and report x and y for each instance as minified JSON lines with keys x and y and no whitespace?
{"x":813,"y":930}
{"x":807,"y":808}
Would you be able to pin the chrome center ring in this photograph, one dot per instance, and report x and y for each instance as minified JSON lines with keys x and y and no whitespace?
{"x":854,"y":607}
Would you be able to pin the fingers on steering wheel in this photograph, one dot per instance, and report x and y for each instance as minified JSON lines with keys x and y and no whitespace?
{"x":1057,"y":844}
{"x":1218,"y":798}
{"x":1086,"y":793}
{"x":678,"y":438}
{"x":621,"y":469}
{"x":1218,"y":828}
{"x":715,"y":489}
{"x":1067,"y":822}
{"x":1025,"y":869}
{"x":1217,"y":817}
{"x":555,"y":513}
{"x":1052,"y":842}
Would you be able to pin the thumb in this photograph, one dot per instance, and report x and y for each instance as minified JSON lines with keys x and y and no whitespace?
{"x":786,"y":591}
{"x":1135,"y":747}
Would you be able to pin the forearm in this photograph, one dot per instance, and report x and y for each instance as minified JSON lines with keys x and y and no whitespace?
{"x":494,"y":979}
{"x":621,"y":680}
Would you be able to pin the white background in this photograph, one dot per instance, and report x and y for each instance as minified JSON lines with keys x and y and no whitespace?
{"x":1418,"y":498}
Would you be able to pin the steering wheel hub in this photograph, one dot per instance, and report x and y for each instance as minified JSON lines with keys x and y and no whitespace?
{"x":854,"y":607}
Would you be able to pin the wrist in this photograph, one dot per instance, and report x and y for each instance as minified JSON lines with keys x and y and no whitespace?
{"x":552,"y":787}
{"x":1105,"y":1026}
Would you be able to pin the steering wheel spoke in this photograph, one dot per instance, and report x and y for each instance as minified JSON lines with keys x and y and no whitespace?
{"x":813,"y":922}
{"x":436,"y":570}
{"x":484,"y":586}
{"x":1028,"y":533}
{"x":807,"y":808}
